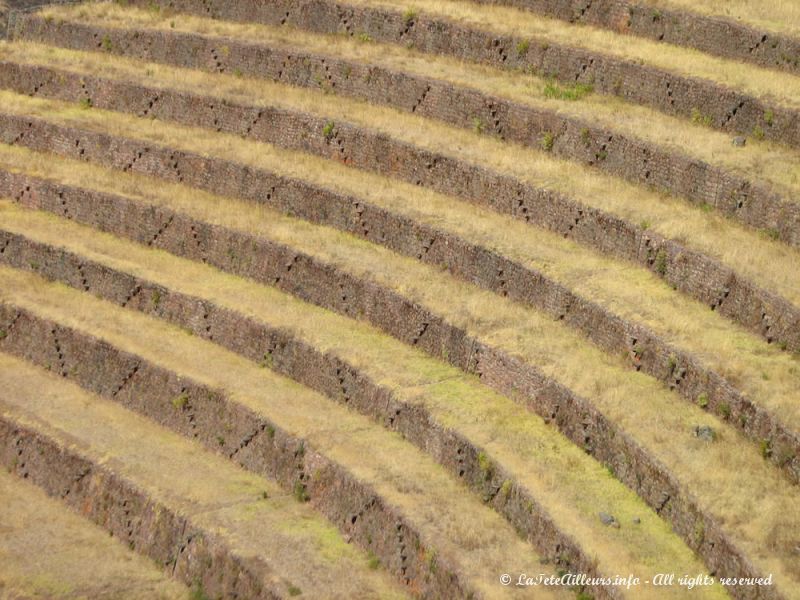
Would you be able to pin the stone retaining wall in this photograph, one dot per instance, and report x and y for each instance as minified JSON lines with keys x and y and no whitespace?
{"x":325,"y":285}
{"x":751,"y":202}
{"x":249,"y":439}
{"x":670,"y":92}
{"x":716,"y":35}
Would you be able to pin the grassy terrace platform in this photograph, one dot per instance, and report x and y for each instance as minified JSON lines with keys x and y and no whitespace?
{"x":367,"y":300}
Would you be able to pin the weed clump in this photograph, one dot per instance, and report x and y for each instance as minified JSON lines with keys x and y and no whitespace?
{"x":699,"y":118}
{"x":548,"y":139}
{"x":576,"y":91}
{"x":661,"y":262}
{"x":181,"y":401}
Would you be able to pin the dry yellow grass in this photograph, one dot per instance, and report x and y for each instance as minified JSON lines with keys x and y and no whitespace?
{"x":781,"y":16}
{"x":475,"y":538}
{"x":728,"y":478}
{"x":47,"y":551}
{"x":215,"y":494}
{"x":758,"y":160}
{"x":770,"y":377}
{"x":571,"y":486}
{"x":754,"y":80}
{"x":769,"y":263}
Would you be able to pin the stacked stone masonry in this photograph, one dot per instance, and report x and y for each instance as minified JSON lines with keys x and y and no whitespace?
{"x":696,"y":274}
{"x":749,"y":201}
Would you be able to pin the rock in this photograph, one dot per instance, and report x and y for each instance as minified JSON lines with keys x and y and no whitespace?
{"x":608,"y":519}
{"x":739,"y":141}
{"x":705,"y":433}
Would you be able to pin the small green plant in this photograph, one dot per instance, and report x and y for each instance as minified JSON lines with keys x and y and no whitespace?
{"x":198,"y":593}
{"x":430,"y":558}
{"x":586,"y":137}
{"x":706,"y":207}
{"x":645,"y":224}
{"x":702,"y":400}
{"x":485,"y":465}
{"x":270,"y":431}
{"x":172,"y":24}
{"x":725,"y":410}
{"x":155,"y":298}
{"x":771,"y":233}
{"x":661,"y":262}
{"x":85,"y":103}
{"x":106,"y":43}
{"x":769,"y":118}
{"x":264,"y":495}
{"x":672,"y":362}
{"x":584,"y":596}
{"x":220,"y":440}
{"x":373,"y":561}
{"x":409,"y":16}
{"x":3,"y":334}
{"x":477,"y":125}
{"x":505,"y":489}
{"x":766,"y":449}
{"x":699,"y":532}
{"x":522,"y":47}
{"x":294,"y":590}
{"x":237,"y":73}
{"x":364,"y":37}
{"x":758,"y":132}
{"x":299,"y":492}
{"x":180,"y":402}
{"x":576,"y":91}
{"x":699,"y":118}
{"x":547,"y":141}
{"x":327,"y":131}
{"x":656,"y":15}
{"x":267,"y":361}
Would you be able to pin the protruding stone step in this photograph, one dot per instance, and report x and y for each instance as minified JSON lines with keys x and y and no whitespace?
{"x":752,"y":32}
{"x":468,"y":100}
{"x":211,"y":525}
{"x":383,"y":493}
{"x":726,"y":95}
{"x":462,"y":424}
{"x":638,"y":463}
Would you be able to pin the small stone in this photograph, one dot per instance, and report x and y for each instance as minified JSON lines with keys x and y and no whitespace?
{"x":705,"y":433}
{"x":739,"y":141}
{"x":608,"y":519}
{"x":636,"y":520}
